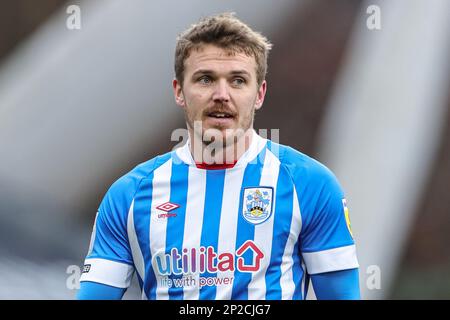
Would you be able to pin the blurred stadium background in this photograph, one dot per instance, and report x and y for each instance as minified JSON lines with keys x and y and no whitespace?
{"x":79,"y":108}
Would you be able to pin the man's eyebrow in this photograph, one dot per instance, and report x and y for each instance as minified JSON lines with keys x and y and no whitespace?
{"x":202,"y":71}
{"x":207,"y":71}
{"x":241,"y":72}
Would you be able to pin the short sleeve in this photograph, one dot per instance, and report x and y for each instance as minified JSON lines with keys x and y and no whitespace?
{"x":326,"y":241}
{"x":109,"y":260}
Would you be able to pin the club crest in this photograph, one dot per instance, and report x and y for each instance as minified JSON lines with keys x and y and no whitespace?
{"x":257,"y":204}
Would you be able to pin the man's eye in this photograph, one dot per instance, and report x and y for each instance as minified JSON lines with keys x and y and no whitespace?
{"x":238,"y":81}
{"x":204,"y":80}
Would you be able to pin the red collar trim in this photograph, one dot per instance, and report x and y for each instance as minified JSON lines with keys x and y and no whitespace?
{"x":215,"y":166}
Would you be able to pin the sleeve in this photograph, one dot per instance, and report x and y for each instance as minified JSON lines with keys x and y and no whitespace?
{"x":109,"y":260}
{"x":326,"y":241}
{"x":97,"y":291}
{"x":337,"y":285}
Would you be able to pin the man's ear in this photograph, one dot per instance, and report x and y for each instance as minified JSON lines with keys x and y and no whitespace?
{"x":261,"y":95}
{"x":178,"y":93}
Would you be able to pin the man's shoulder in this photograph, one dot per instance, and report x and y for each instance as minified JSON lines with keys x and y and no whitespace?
{"x":314,"y":182}
{"x":130,"y":181}
{"x":299,"y":164}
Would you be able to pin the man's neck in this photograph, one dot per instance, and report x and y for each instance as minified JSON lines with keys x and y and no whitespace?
{"x":218,"y":156}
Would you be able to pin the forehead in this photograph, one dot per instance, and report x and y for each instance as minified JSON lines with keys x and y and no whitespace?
{"x":217,"y":59}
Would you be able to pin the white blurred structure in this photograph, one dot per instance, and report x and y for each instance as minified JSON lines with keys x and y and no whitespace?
{"x":384,"y":125}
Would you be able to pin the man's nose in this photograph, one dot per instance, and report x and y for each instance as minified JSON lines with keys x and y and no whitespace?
{"x":221,"y":91}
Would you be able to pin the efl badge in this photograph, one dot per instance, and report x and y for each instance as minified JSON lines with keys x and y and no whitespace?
{"x":257,"y":206}
{"x":347,"y":216}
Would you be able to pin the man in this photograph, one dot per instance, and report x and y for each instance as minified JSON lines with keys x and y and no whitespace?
{"x":229,"y":215}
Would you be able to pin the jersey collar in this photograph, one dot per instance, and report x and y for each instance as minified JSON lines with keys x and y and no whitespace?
{"x":256,"y":146}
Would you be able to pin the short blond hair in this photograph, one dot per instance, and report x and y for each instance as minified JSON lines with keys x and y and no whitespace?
{"x":227,"y":32}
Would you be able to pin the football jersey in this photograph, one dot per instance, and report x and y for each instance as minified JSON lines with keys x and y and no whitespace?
{"x":257,"y":230}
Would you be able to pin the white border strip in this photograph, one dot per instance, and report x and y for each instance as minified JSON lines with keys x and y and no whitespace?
{"x":342,"y":258}
{"x":108,"y":272}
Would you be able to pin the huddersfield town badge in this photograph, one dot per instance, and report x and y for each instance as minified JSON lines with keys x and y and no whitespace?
{"x":257,"y":206}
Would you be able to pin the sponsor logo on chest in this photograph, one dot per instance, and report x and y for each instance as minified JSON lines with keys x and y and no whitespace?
{"x":201,"y":260}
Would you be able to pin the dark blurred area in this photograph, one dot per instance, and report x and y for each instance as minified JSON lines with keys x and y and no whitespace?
{"x":426,"y":260}
{"x":308,"y":52}
{"x":20,"y":18}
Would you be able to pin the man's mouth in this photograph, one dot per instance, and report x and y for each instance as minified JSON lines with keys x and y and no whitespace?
{"x":220,"y":115}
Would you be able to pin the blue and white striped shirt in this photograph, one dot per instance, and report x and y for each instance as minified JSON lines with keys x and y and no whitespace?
{"x":253,"y":231}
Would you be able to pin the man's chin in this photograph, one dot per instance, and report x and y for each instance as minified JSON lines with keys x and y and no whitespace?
{"x":226,"y":135}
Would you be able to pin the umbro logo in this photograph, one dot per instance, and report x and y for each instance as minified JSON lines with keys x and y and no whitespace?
{"x":167,"y":207}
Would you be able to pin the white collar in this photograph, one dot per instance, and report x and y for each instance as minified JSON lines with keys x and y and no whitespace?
{"x":256,"y":146}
